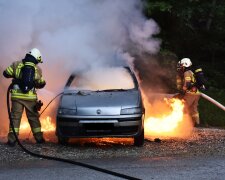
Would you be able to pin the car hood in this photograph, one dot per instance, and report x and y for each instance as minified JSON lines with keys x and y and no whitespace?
{"x":100,"y":102}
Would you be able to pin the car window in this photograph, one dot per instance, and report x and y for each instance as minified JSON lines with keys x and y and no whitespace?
{"x":104,"y":79}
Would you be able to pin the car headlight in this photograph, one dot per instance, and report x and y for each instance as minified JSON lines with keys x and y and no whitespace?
{"x":131,"y":111}
{"x":67,"y":111}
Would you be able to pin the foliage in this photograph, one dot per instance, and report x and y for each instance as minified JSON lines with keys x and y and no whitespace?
{"x":191,"y":28}
{"x":210,"y":114}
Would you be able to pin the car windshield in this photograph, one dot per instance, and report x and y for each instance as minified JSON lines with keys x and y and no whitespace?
{"x":104,"y":79}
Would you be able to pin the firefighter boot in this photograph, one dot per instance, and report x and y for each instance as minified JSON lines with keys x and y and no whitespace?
{"x":196,"y":120}
{"x":39,"y":137}
{"x":11,"y":139}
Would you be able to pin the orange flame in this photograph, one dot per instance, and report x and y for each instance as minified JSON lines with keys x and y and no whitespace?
{"x":24,"y":126}
{"x":167,"y":123}
{"x":47,"y":125}
{"x":169,"y":120}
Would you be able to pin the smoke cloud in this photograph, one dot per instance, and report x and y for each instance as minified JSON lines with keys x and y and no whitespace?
{"x":72,"y":36}
{"x":92,"y":80}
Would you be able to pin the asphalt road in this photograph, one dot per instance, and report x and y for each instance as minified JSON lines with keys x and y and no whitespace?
{"x":143,"y":168}
{"x":200,"y":156}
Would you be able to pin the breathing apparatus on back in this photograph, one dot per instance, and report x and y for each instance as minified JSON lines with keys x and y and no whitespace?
{"x":26,"y":81}
{"x":200,"y":78}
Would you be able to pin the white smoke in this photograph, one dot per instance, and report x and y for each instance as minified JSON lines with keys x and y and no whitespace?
{"x":72,"y":35}
{"x":103,"y":79}
{"x":142,"y":36}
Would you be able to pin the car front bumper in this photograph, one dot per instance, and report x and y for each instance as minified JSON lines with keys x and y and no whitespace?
{"x":100,"y":126}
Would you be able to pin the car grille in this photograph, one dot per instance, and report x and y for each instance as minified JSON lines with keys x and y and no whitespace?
{"x":71,"y":128}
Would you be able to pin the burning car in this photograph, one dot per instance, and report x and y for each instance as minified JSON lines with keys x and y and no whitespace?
{"x":101,"y":103}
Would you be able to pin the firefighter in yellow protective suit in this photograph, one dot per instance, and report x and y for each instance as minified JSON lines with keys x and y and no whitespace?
{"x":186,"y":84}
{"x":25,"y":99}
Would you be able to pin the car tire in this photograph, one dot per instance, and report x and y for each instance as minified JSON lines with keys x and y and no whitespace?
{"x":63,"y":140}
{"x":139,"y":140}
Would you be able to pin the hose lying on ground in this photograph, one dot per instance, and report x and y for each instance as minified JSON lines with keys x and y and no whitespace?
{"x":213,"y":101}
{"x":56,"y":158}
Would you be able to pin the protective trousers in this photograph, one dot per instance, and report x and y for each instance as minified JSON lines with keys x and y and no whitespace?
{"x":18,"y":106}
{"x":191,"y":106}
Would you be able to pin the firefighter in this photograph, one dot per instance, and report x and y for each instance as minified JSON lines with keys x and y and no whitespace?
{"x":186,"y":85}
{"x":25,"y":100}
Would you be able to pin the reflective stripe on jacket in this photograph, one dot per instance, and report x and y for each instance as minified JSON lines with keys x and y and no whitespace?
{"x":15,"y":72}
{"x":190,"y":79}
{"x":179,"y":82}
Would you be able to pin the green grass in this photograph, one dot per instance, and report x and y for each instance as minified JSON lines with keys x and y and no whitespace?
{"x":210,"y":114}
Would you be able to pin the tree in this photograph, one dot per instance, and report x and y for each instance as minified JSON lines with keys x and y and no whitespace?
{"x":191,"y":28}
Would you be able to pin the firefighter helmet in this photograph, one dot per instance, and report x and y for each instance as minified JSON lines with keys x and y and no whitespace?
{"x":185,"y":62}
{"x":36,"y":53}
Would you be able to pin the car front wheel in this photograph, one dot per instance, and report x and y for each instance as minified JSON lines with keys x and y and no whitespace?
{"x":139,"y":140}
{"x":63,"y":140}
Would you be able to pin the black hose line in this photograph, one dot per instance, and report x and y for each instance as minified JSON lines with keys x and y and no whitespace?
{"x":56,"y":158}
{"x":47,"y":107}
{"x":50,"y":103}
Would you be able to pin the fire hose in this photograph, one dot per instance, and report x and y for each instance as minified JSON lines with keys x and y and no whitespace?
{"x":56,"y":158}
{"x":213,"y":101}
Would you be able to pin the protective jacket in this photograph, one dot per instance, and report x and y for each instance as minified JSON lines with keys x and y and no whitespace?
{"x":186,"y":82}
{"x":14,"y":71}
